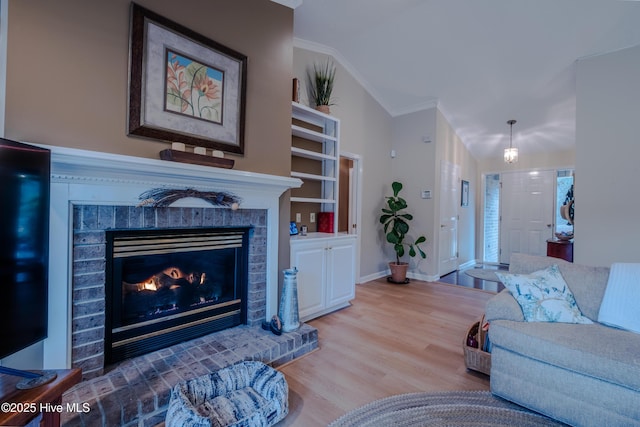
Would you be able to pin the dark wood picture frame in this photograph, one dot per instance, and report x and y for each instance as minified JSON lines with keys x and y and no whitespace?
{"x":464,"y":193}
{"x":154,"y":39}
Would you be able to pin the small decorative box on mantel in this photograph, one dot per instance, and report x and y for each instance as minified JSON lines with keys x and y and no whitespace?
{"x":196,"y":159}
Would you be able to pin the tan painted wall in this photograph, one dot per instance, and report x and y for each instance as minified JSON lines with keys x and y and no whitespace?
{"x":546,"y":160}
{"x":452,"y":149}
{"x":67,"y":75}
{"x":415,"y":167}
{"x":607,"y":153}
{"x":67,"y":81}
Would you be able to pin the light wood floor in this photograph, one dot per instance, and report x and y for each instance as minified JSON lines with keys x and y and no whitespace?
{"x":392,"y":340}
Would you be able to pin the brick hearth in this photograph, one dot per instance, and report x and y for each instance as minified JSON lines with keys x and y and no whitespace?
{"x":136,"y":392}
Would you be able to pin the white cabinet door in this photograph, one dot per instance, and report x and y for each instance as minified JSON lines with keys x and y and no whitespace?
{"x":326,"y":274}
{"x":341,"y":255}
{"x":310,"y":260}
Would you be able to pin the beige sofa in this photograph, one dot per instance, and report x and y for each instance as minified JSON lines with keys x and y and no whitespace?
{"x":583,"y":375}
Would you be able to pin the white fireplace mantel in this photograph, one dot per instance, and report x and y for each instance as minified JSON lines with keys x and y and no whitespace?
{"x":81,"y":177}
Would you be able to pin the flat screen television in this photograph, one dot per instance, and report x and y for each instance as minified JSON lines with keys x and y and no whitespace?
{"x":24,"y":244}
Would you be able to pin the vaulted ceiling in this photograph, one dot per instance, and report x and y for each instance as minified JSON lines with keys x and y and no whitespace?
{"x":482,"y":62}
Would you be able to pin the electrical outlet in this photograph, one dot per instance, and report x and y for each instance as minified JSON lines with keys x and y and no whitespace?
{"x":298,"y":217}
{"x":312,"y":217}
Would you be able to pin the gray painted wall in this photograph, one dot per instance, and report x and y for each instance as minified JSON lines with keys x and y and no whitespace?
{"x":606,"y":190}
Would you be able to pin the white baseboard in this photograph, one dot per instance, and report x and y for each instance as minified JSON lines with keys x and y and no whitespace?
{"x":410,"y":275}
{"x":468,"y":264}
{"x":374,"y":276}
{"x":425,"y":277}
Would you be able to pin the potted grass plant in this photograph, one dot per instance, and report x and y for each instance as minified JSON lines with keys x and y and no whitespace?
{"x":396,"y":220}
{"x":321,"y":81}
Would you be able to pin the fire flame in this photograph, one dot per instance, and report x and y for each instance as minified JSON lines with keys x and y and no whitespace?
{"x":153,"y":283}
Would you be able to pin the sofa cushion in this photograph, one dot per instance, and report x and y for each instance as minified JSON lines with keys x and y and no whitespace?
{"x":543,"y":296}
{"x":586,"y":283}
{"x":622,"y":297}
{"x":503,"y":306}
{"x":595,"y":350}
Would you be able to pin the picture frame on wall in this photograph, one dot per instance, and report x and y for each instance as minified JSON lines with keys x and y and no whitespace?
{"x":183,"y":86}
{"x":464,"y":193}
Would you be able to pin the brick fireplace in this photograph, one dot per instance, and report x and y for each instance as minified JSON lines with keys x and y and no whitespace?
{"x":92,"y":223}
{"x":93,"y":192}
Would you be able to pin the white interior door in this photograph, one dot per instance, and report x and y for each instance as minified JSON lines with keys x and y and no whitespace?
{"x":526,"y":212}
{"x":449,"y":200}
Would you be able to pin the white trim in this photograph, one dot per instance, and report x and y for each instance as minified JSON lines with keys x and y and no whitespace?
{"x":373,"y":276}
{"x":88,"y":177}
{"x":410,"y":274}
{"x":320,"y":48}
{"x":293,"y":4}
{"x":425,"y":105}
{"x":468,"y":264}
{"x":423,"y":277}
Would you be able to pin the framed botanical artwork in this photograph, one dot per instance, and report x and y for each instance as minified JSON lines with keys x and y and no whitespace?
{"x":183,"y":86}
{"x":464,"y":193}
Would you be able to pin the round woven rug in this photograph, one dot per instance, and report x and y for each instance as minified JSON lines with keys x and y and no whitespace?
{"x":456,"y":408}
{"x":483,"y":274}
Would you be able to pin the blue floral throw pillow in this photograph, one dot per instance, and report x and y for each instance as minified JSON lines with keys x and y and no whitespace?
{"x":544,"y":296}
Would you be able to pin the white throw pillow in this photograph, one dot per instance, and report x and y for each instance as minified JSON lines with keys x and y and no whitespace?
{"x":621,"y":299}
{"x":544,"y":296}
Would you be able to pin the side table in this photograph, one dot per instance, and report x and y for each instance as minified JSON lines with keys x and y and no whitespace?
{"x":19,"y":407}
{"x":562,"y":249}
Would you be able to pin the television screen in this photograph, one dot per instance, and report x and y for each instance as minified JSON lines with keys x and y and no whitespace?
{"x":24,"y":244}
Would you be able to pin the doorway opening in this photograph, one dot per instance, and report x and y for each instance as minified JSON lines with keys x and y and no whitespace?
{"x":561,"y":192}
{"x":350,"y":201}
{"x":491,"y":218}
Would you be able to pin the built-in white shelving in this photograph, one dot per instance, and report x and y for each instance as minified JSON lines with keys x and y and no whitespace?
{"x":325,"y":261}
{"x":316,"y":139}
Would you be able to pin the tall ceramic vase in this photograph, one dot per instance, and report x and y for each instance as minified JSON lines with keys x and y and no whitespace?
{"x":289,"y":314}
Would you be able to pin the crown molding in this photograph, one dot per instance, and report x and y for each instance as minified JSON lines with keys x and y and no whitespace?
{"x":433,"y":103}
{"x":320,"y":48}
{"x":289,"y":3}
{"x":326,"y":50}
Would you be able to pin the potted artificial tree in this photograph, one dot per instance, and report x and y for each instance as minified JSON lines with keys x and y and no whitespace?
{"x":321,"y":85}
{"x":396,"y":228}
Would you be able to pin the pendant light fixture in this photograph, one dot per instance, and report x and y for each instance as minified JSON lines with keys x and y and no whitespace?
{"x":511,"y":154}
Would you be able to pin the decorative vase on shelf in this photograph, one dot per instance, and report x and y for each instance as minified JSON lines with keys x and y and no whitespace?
{"x":289,"y":314}
{"x":323,"y":109}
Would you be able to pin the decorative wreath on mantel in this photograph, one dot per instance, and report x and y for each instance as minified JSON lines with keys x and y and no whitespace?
{"x":163,"y":197}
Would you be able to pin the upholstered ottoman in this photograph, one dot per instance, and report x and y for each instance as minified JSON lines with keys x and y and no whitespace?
{"x":245,"y":394}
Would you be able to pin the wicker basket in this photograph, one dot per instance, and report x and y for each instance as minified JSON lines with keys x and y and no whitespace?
{"x":475,"y":358}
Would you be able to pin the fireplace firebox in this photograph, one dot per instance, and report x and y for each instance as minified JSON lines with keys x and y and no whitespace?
{"x":165,"y":286}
